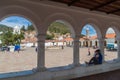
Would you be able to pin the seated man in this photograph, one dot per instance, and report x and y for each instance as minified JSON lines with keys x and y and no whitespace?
{"x":97,"y":59}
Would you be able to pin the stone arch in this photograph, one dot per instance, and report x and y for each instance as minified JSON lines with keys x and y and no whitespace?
{"x":22,"y":12}
{"x":96,"y":25}
{"x":115,"y":27}
{"x":14,"y":10}
{"x":105,"y":43}
{"x":63,"y":17}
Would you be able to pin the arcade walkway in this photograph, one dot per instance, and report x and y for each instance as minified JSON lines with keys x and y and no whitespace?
{"x":112,"y":75}
{"x":44,"y":12}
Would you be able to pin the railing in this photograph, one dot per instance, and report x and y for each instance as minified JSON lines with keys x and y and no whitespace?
{"x":63,"y":73}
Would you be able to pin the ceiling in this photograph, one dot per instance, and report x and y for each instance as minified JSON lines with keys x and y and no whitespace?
{"x":106,"y":6}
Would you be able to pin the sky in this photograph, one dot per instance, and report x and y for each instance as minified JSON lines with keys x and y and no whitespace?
{"x":92,"y":31}
{"x":13,"y":21}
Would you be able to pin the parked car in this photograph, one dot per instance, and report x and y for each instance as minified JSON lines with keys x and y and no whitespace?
{"x":112,"y":46}
{"x":3,"y":48}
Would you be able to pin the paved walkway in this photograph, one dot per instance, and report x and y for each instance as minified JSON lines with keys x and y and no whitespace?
{"x":27,"y":58}
{"x":14,"y":61}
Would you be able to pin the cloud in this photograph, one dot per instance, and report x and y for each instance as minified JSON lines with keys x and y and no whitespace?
{"x":92,"y":31}
{"x":110,"y":30}
{"x":15,"y":20}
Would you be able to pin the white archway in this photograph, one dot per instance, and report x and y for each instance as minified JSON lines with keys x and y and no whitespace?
{"x":113,"y":50}
{"x":63,"y":17}
{"x":69,"y":22}
{"x":14,"y":10}
{"x":95,"y":23}
{"x":114,"y":26}
{"x":23,"y":12}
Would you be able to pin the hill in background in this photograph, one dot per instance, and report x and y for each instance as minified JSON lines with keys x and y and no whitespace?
{"x":4,"y":28}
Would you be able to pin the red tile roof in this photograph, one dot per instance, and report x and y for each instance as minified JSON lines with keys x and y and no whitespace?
{"x":34,"y":39}
{"x":112,"y":35}
{"x":68,"y":39}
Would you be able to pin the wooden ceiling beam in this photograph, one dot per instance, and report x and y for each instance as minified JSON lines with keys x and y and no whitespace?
{"x":72,"y":2}
{"x":113,"y":11}
{"x":104,"y":4}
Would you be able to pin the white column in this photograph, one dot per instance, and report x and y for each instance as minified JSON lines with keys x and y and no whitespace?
{"x":118,"y":45}
{"x":101,"y":47}
{"x":76,"y":51}
{"x":41,"y":53}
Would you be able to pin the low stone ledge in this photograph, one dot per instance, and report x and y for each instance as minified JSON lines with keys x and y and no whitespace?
{"x":61,"y":68}
{"x":16,"y":74}
{"x":65,"y":72}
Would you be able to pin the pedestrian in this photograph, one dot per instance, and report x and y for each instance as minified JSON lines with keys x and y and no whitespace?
{"x":62,"y":47}
{"x":18,"y":50}
{"x":96,"y":59}
{"x":89,"y":52}
{"x":36,"y":49}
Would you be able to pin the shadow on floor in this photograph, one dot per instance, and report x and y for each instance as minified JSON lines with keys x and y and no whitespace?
{"x":112,"y":75}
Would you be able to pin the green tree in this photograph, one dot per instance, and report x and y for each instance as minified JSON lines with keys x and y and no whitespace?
{"x":30,"y":28}
{"x":7,"y":38}
{"x":49,"y":37}
{"x":18,"y":38}
{"x":23,"y":28}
